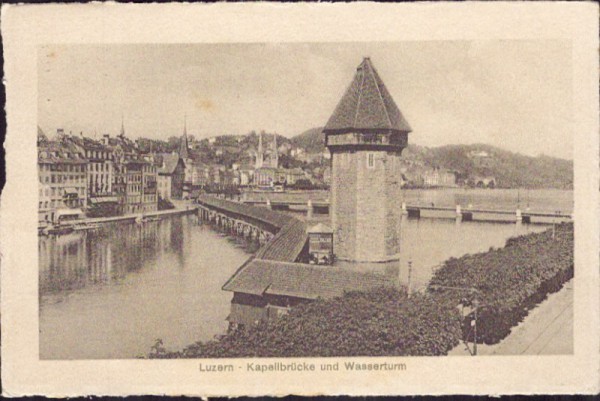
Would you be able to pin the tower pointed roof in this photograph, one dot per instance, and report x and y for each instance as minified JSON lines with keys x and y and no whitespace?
{"x":260,"y":142}
{"x":41,"y":134}
{"x":122,"y":126}
{"x":183,"y":145}
{"x":366,"y":105}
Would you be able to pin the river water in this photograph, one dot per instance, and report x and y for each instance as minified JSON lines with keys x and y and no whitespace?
{"x":113,"y":292}
{"x":110,"y":294}
{"x":538,"y":200}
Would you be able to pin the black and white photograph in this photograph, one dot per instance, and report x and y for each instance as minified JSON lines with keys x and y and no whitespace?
{"x":246,"y":200}
{"x":270,"y":199}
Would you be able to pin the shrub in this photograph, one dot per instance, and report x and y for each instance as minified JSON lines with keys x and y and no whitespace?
{"x":380,"y":322}
{"x":510,"y":281}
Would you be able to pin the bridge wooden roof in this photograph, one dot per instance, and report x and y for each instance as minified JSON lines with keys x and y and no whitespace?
{"x":259,"y":277}
{"x":273,"y":218}
{"x":366,"y":105}
{"x":290,"y":238}
{"x":287,"y":244}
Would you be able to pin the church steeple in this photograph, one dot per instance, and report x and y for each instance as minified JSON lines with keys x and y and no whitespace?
{"x":122,"y":126}
{"x":183,"y":145}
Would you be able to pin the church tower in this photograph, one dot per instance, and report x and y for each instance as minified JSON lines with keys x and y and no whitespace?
{"x":183,"y":144}
{"x":366,"y":135}
{"x":267,"y":155}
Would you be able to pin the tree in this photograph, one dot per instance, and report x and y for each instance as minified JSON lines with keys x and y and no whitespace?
{"x":173,"y":143}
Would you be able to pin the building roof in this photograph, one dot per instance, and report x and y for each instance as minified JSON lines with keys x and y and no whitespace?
{"x":300,"y":280}
{"x":121,"y":141}
{"x":87,"y":143}
{"x":183,"y":146}
{"x":270,"y":217}
{"x":320,"y":228}
{"x":52,"y":152}
{"x":170,"y":162}
{"x":287,"y":244}
{"x":291,"y":236}
{"x":41,"y":134}
{"x":366,"y":105}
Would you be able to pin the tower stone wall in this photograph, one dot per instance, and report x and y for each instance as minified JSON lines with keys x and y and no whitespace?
{"x":366,"y":205}
{"x":343,"y":204}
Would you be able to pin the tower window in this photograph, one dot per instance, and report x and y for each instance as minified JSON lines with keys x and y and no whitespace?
{"x":370,"y":160}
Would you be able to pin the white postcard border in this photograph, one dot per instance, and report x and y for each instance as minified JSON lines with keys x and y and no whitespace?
{"x":26,"y":27}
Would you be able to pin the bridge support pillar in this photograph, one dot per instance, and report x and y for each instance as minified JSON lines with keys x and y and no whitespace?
{"x":518,"y":216}
{"x":467,"y":216}
{"x":414,"y":212}
{"x":309,"y":210}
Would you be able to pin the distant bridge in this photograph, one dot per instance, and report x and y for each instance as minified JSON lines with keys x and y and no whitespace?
{"x":417,"y":211}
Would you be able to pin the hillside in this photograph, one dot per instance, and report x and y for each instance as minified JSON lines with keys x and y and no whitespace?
{"x":312,"y":140}
{"x":510,"y":170}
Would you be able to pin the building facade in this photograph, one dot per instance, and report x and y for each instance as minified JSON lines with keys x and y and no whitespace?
{"x":62,"y":179}
{"x":150,"y":188}
{"x":119,"y":186}
{"x":265,"y":177}
{"x":366,"y":135}
{"x":133,"y":187}
{"x":439,"y":178}
{"x":171,"y":177}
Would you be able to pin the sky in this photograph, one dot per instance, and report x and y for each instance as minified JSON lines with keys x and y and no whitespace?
{"x":513,"y":94}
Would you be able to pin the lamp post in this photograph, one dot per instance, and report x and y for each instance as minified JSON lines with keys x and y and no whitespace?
{"x":475,"y":304}
{"x":409,"y":277}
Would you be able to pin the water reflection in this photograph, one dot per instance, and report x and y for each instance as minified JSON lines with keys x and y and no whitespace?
{"x":73,"y":261}
{"x":111,"y":293}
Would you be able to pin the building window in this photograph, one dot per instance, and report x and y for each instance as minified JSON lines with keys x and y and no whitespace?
{"x":370,"y":160}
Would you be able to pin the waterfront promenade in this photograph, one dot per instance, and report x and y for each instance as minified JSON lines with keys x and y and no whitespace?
{"x":547,"y":330}
{"x":179,"y":209}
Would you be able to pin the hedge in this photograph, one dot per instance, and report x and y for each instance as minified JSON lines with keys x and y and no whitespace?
{"x":510,"y":281}
{"x":380,"y":322}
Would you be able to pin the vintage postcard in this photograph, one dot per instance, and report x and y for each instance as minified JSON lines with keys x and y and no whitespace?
{"x":270,"y":199}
